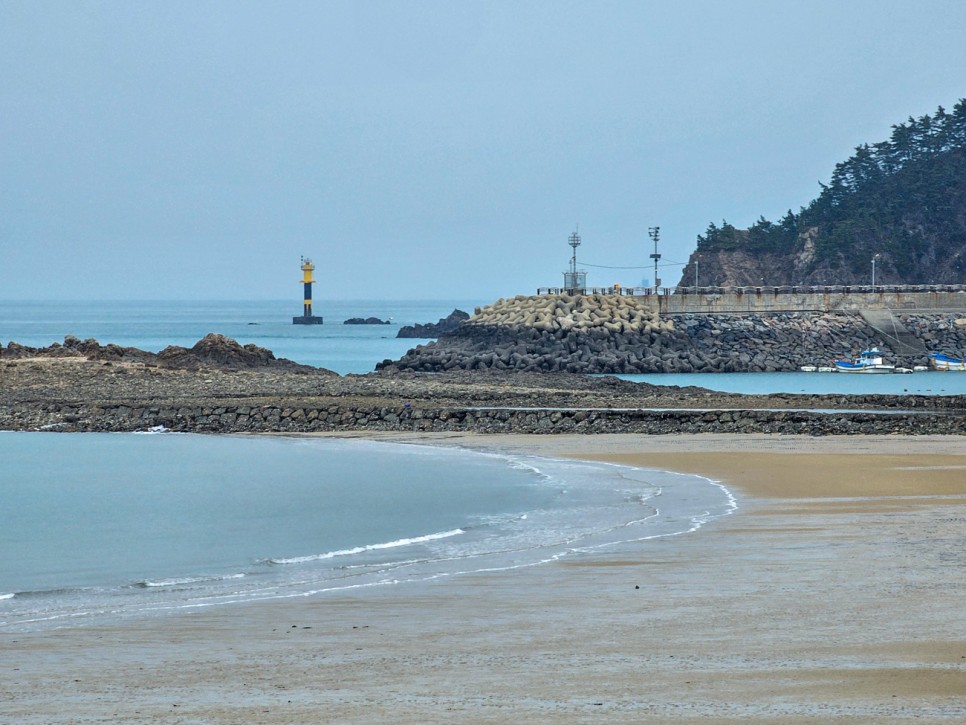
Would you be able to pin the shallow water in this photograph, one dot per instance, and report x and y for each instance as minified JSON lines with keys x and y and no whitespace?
{"x":920,"y":383}
{"x":97,"y":526}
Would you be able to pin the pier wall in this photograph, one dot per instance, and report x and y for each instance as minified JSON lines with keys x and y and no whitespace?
{"x":791,"y":299}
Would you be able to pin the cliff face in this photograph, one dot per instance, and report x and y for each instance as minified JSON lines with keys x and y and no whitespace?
{"x":901,"y":202}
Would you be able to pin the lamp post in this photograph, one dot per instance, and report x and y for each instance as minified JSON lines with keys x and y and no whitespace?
{"x":874,"y":257}
{"x":655,"y":234}
{"x":697,"y":261}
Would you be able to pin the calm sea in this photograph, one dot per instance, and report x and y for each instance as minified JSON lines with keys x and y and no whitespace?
{"x":155,"y":325}
{"x":97,"y":527}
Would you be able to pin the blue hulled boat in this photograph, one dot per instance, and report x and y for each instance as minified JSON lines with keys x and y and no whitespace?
{"x":939,"y":361}
{"x":868,"y":361}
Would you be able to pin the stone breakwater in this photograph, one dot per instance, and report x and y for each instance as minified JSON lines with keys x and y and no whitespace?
{"x":309,"y":418}
{"x":618,"y":334}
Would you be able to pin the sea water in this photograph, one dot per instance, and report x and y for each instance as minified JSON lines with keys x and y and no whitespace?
{"x":97,"y":527}
{"x":153,"y":326}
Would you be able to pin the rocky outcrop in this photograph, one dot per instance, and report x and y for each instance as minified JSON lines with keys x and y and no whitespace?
{"x":89,"y":349}
{"x":618,"y":334}
{"x":213,"y":351}
{"x":218,"y":351}
{"x":445,"y":326}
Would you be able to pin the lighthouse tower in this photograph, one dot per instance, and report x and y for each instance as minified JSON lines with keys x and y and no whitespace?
{"x":307,"y":318}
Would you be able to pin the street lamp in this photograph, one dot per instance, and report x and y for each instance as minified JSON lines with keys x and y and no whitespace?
{"x":874,"y":257}
{"x":697,"y":261}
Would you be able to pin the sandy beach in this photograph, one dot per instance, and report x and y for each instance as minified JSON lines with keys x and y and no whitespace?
{"x":834,"y":593}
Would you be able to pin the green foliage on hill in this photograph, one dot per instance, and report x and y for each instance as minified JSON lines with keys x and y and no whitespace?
{"x":903,"y":199}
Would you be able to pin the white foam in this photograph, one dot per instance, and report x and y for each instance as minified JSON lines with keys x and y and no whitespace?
{"x":152,"y":430}
{"x":188,"y":580}
{"x":7,"y":596}
{"x":369,"y":547}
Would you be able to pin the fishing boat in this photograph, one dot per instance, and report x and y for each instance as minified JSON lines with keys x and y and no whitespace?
{"x":939,"y":361}
{"x":868,"y":361}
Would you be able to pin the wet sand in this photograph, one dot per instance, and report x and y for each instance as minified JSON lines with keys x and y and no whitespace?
{"x":833,"y":594}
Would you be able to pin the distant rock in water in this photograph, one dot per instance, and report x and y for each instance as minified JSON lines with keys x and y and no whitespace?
{"x":366,"y":321}
{"x":218,"y":351}
{"x":445,"y":326}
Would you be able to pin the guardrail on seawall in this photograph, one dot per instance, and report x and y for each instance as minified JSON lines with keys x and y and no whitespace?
{"x":787,"y":298}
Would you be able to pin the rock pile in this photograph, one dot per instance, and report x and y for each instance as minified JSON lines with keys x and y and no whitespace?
{"x":577,"y":313}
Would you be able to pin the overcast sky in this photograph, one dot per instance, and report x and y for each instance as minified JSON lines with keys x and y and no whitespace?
{"x":432,"y":149}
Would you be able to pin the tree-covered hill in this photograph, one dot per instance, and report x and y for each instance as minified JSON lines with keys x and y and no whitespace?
{"x":902,"y":201}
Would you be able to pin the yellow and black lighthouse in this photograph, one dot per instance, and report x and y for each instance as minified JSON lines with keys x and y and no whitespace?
{"x":307,"y":318}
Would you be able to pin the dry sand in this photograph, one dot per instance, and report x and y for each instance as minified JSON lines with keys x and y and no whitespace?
{"x":835,"y":593}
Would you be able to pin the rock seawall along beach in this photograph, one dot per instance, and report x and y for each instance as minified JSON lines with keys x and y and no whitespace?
{"x":622,"y":334}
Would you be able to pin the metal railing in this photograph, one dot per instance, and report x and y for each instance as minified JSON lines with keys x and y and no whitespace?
{"x":774,"y":290}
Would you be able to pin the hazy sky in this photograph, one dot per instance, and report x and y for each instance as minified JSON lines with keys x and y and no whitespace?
{"x":439,"y":150}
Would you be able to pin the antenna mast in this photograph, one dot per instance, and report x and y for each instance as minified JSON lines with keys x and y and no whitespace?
{"x":574,"y":242}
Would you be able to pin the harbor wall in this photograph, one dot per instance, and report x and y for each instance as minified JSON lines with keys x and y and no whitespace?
{"x":712,"y":300}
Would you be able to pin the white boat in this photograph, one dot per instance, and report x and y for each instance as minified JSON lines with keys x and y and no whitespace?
{"x":939,"y":361}
{"x":868,"y":361}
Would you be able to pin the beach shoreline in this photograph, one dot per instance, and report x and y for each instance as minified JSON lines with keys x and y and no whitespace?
{"x":833,"y":593}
